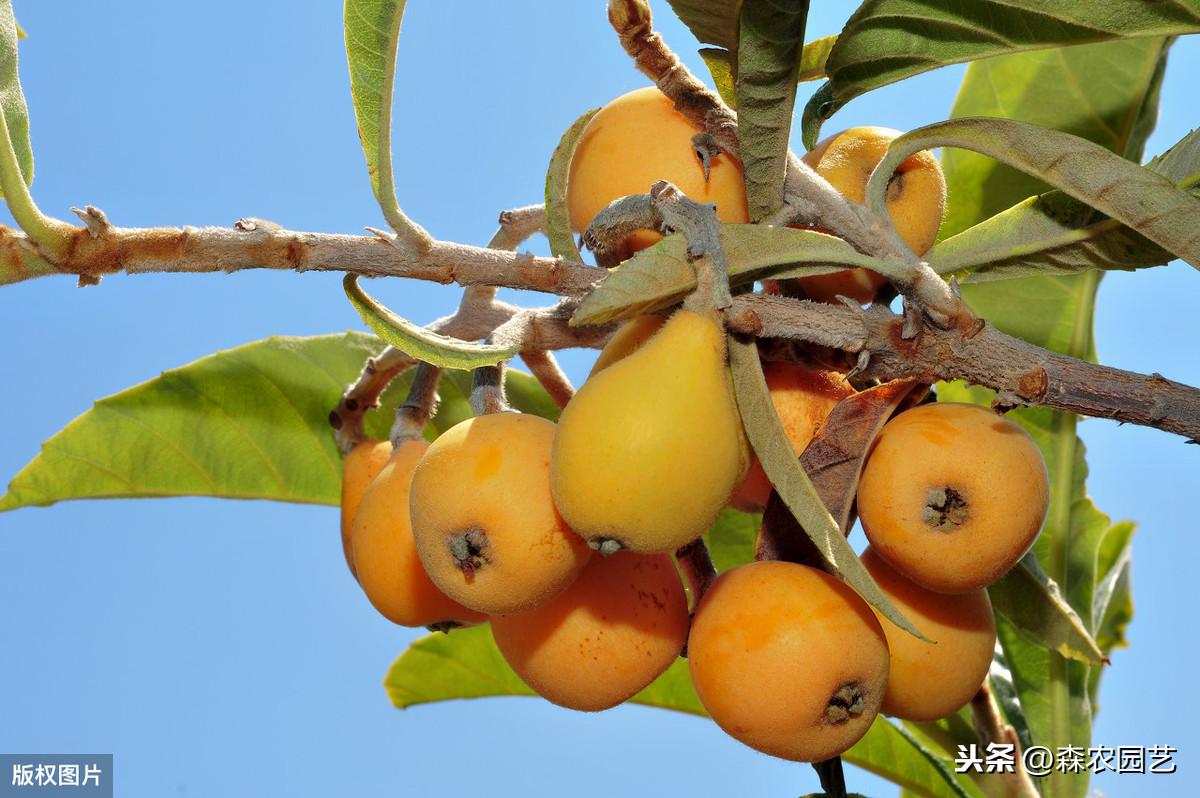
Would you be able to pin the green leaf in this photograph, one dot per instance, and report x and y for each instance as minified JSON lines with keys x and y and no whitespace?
{"x":1034,"y":603}
{"x":765,"y":432}
{"x":1005,"y":693}
{"x":12,"y":98}
{"x":891,"y":751}
{"x":721,"y":67}
{"x":419,"y":342}
{"x":710,"y":21}
{"x":1141,"y":199}
{"x":246,"y":423}
{"x":467,"y":664}
{"x":770,"y":42}
{"x":1045,"y":235}
{"x":889,"y":40}
{"x":372,"y":35}
{"x":558,"y":217}
{"x":1101,"y":92}
{"x":662,"y":275}
{"x":731,"y":538}
{"x":723,"y":70}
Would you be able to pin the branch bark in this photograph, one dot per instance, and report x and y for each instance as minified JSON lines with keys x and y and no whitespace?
{"x":1021,"y":373}
{"x":102,"y":249}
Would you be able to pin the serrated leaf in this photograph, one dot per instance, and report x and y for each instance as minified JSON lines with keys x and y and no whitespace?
{"x":12,"y":97}
{"x":889,"y":40}
{"x":372,"y":29}
{"x":419,"y":342}
{"x":767,"y":437}
{"x":467,"y":664}
{"x":721,"y":67}
{"x":1034,"y":603}
{"x":246,"y":423}
{"x":662,"y":275}
{"x":710,"y":21}
{"x":558,"y":217}
{"x":770,"y":42}
{"x":1141,"y":199}
{"x":1181,"y":162}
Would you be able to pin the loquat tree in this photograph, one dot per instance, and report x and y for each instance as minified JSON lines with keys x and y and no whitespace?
{"x":790,"y":343}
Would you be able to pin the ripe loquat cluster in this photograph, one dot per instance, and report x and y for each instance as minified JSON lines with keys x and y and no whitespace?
{"x":561,"y":535}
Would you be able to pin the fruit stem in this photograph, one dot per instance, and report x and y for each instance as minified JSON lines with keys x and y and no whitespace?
{"x":698,"y":570}
{"x":833,"y":779}
{"x":419,"y":407}
{"x":487,"y":391}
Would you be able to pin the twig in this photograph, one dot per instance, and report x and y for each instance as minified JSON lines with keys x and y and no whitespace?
{"x":1021,"y":373}
{"x":992,"y":729}
{"x":543,"y":366}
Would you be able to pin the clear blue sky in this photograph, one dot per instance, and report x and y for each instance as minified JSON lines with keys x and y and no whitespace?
{"x":221,"y":648}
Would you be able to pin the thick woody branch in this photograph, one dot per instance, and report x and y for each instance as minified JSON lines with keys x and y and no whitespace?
{"x":102,"y":248}
{"x":1021,"y":373}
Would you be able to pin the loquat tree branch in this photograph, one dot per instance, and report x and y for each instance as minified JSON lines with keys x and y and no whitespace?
{"x":1021,"y":373}
{"x":101,"y":248}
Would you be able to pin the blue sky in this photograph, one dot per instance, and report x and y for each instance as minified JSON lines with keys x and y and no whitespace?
{"x":221,"y":648}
